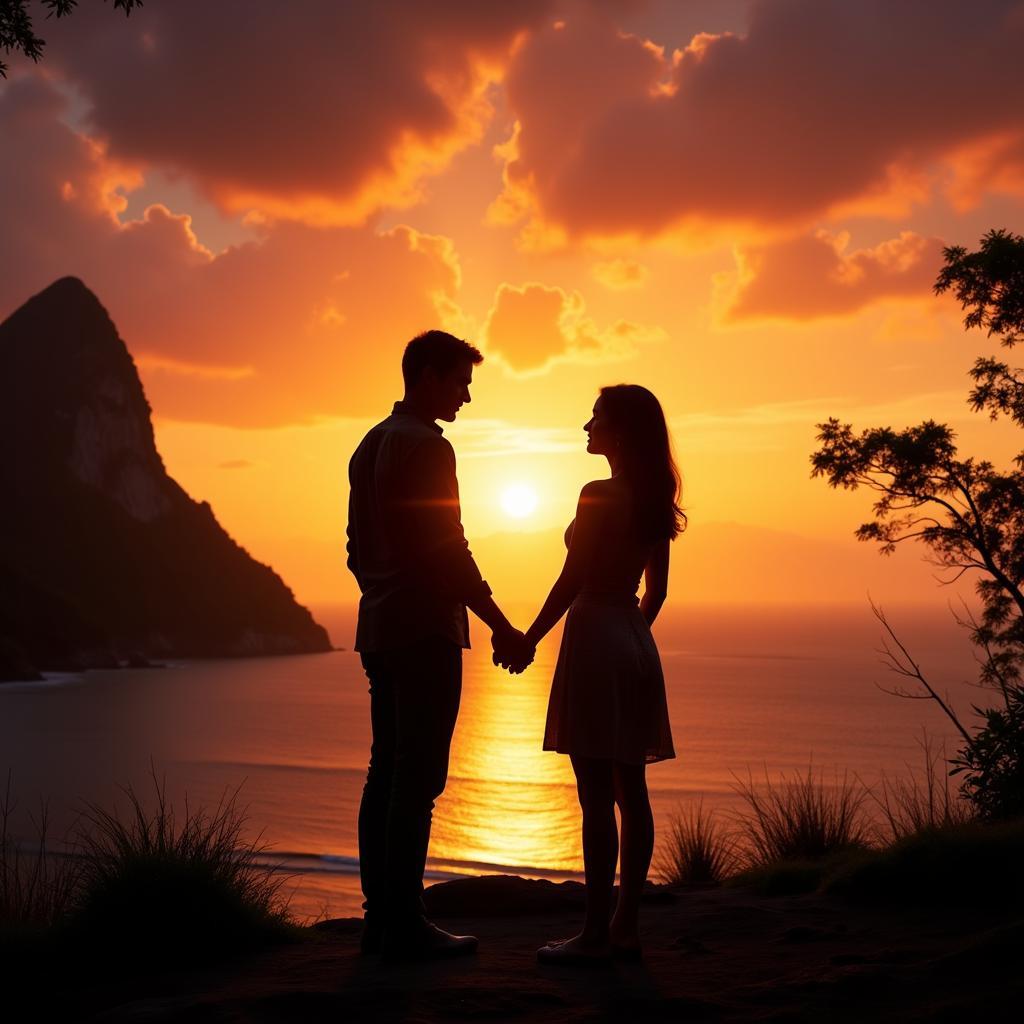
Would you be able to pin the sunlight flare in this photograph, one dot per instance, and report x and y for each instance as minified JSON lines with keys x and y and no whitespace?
{"x":519,"y":500}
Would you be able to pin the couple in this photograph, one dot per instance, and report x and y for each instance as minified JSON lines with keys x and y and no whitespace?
{"x":607,"y":710}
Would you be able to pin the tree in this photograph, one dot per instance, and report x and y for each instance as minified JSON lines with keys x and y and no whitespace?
{"x":16,"y":32}
{"x":968,"y":514}
{"x":990,"y":283}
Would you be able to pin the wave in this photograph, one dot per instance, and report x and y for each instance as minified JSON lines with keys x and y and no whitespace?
{"x":284,"y":766}
{"x":360,"y":771}
{"x":291,"y":862}
{"x":49,"y":680}
{"x":437,"y":869}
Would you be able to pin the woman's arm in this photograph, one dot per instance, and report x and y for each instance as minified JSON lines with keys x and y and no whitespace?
{"x":570,"y":579}
{"x":655,"y":582}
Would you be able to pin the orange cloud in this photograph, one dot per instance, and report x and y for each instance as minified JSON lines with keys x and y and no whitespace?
{"x":532,"y":327}
{"x":620,"y":274}
{"x":297,"y":323}
{"x":322,"y":111}
{"x":814,"y":276}
{"x":823,"y":107}
{"x":990,"y":165}
{"x":59,"y":201}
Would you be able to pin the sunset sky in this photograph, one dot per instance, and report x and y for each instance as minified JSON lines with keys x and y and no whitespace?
{"x":740,"y":205}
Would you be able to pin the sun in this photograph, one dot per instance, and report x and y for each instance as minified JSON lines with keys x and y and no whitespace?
{"x":519,"y":500}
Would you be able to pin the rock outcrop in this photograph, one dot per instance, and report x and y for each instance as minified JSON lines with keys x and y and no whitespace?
{"x":103,"y":557}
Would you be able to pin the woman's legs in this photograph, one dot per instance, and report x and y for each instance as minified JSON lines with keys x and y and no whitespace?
{"x":596,"y":792}
{"x":630,"y":788}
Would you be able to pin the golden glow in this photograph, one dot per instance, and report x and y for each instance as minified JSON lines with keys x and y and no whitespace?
{"x":519,"y":500}
{"x":508,"y":802}
{"x":267,"y":348}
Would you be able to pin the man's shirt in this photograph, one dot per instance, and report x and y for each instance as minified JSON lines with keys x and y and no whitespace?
{"x":406,"y":546}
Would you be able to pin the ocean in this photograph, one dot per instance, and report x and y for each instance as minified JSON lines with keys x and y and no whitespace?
{"x":751,"y":690}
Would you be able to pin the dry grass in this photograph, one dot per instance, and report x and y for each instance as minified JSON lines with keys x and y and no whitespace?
{"x":36,"y":888}
{"x":925,"y":801}
{"x":697,"y":851}
{"x":191,"y":887}
{"x":802,"y":818}
{"x":146,"y":887}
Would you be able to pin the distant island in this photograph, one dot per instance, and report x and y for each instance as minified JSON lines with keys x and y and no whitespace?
{"x":104,"y":558}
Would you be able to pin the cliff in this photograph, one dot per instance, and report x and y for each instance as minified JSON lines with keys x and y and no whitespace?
{"x":103,"y":557}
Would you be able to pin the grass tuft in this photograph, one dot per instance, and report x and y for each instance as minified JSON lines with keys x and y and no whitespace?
{"x":154,"y":887}
{"x":925,"y":801}
{"x":36,"y":888}
{"x":801,"y":818}
{"x":697,"y":850}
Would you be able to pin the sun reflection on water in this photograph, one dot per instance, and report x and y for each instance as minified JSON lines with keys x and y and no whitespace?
{"x":508,"y":802}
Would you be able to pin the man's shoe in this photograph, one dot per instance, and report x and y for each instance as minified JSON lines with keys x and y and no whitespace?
{"x":372,"y":939}
{"x":425,"y":941}
{"x":627,"y":954}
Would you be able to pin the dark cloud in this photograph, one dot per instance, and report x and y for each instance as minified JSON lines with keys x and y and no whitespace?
{"x":320,"y":110}
{"x":823,"y":107}
{"x":298,"y":323}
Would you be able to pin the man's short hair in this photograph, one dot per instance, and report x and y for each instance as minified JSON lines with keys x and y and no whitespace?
{"x":440,"y":351}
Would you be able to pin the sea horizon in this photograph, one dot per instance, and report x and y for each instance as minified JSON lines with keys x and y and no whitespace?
{"x":764,"y":691}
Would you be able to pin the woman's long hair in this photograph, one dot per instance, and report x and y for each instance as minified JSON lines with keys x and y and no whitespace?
{"x":637,"y":421}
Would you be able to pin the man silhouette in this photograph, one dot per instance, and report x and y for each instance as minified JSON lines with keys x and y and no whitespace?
{"x":408,"y":552}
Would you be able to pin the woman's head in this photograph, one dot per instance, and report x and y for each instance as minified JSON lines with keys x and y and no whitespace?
{"x":628,"y":426}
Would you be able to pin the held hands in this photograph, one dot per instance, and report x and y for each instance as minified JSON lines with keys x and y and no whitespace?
{"x":511,"y":650}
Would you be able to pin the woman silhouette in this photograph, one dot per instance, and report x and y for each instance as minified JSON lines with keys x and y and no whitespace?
{"x":607,"y":709}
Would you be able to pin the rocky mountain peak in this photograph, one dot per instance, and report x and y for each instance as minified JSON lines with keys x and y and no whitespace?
{"x":72,"y":397}
{"x":103,"y":557}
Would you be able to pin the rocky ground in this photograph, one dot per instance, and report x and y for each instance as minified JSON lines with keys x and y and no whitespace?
{"x":723,"y":954}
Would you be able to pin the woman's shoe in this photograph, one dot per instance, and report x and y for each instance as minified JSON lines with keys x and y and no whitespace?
{"x":558,"y":955}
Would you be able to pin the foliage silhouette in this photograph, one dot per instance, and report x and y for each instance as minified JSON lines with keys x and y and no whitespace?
{"x":36,"y":890}
{"x":966,"y":512}
{"x":802,"y":818}
{"x":16,"y":31}
{"x":990,"y":284}
{"x":921,"y":801}
{"x":963,"y":865}
{"x":697,"y":851}
{"x":158,"y":887}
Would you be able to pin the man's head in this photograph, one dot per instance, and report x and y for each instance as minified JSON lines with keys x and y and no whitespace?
{"x":438,"y":369}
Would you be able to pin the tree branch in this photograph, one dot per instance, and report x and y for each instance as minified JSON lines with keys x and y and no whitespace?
{"x":910,"y":668}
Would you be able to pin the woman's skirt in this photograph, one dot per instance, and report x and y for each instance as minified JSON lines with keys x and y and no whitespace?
{"x":608,"y":692}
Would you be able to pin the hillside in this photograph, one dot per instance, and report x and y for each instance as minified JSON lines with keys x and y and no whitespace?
{"x":103,"y":557}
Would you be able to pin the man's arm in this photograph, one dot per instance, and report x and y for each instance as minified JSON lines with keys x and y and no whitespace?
{"x":507,"y":643}
{"x":351,"y":545}
{"x":429,"y":524}
{"x":352,"y":560}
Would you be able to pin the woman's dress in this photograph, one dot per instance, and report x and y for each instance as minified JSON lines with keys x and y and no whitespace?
{"x":608,"y":692}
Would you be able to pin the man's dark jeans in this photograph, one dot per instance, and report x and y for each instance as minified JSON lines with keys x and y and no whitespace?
{"x":414,"y":701}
